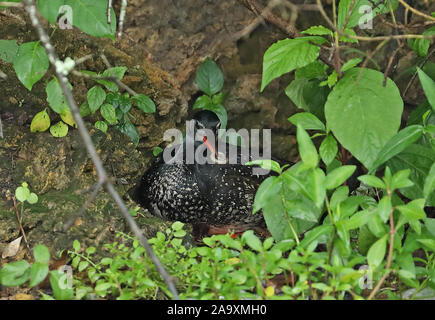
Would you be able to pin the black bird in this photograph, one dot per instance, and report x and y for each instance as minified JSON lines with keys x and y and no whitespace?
{"x":218,"y":194}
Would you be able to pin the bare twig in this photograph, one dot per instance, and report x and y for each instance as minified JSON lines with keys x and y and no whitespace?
{"x":1,"y":128}
{"x":3,"y":75}
{"x":415,"y":73}
{"x":389,"y":259}
{"x":96,"y":188}
{"x":20,"y":225}
{"x":415,"y":11}
{"x":109,"y":6}
{"x":122,"y":17}
{"x":11,"y":4}
{"x":32,"y":11}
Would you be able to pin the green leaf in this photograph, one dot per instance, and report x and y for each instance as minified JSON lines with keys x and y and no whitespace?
{"x":315,"y":184}
{"x":384,"y":208}
{"x":328,"y":149}
{"x":307,"y":150}
{"x":55,"y":96}
{"x":40,"y":122}
{"x":32,"y":198}
{"x":60,"y":287}
{"x":59,"y":130}
{"x":376,"y":253}
{"x":38,"y":272}
{"x":101,"y":125}
{"x":413,"y":210}
{"x":356,"y":15}
{"x":420,"y":160}
{"x":157,"y":151}
{"x":108,"y":113}
{"x":252,"y":241}
{"x":41,"y":253}
{"x":84,"y":109}
{"x":130,"y":130}
{"x":318,"y":31}
{"x":399,"y":142}
{"x":430,"y":243}
{"x":429,"y":184}
{"x":125,"y":103}
{"x":363,"y":114}
{"x":350,"y":64}
{"x":8,"y":50}
{"x":209,"y":77}
{"x":308,"y":121}
{"x":49,"y":9}
{"x":337,"y":176}
{"x":315,"y":234}
{"x":400,"y":179}
{"x":15,"y":274}
{"x":31,"y":63}
{"x":428,"y":86}
{"x":68,"y":118}
{"x":372,"y":181}
{"x":96,"y":97}
{"x":268,"y":189}
{"x":144,"y":103}
{"x":22,"y":193}
{"x":287,"y":55}
{"x":117,"y":72}
{"x":266,"y":164}
{"x":314,"y":70}
{"x":90,"y":16}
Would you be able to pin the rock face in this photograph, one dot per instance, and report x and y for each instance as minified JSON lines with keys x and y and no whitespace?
{"x":164,"y":42}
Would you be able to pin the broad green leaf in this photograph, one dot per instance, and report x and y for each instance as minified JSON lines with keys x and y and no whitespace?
{"x":40,"y":122}
{"x":252,"y":241}
{"x":350,"y":64}
{"x":202,"y":102}
{"x":90,"y":16}
{"x":376,"y":253}
{"x":399,"y":142}
{"x":337,"y":176}
{"x":307,"y":150}
{"x":363,"y":114}
{"x":429,"y":184}
{"x":315,"y":234}
{"x":372,"y":181}
{"x":59,"y":130}
{"x":130,"y":130}
{"x":60,"y":286}
{"x":308,"y":121}
{"x":362,"y":11}
{"x":144,"y":103}
{"x":430,"y":243}
{"x":8,"y":50}
{"x":287,"y":55}
{"x":49,"y":9}
{"x":428,"y":86}
{"x":420,"y":160}
{"x":400,"y":179}
{"x":413,"y":210}
{"x":55,"y":97}
{"x":38,"y":272}
{"x":96,"y":97}
{"x":316,"y":186}
{"x":108,"y":113}
{"x":15,"y":273}
{"x":316,"y":69}
{"x":268,"y":189}
{"x":384,"y":208}
{"x":328,"y":149}
{"x":209,"y":77}
{"x":31,"y":63}
{"x":68,"y":118}
{"x":84,"y":109}
{"x":266,"y":164}
{"x":117,"y":72}
{"x":101,"y":125}
{"x":125,"y":103}
{"x":22,"y":193}
{"x":32,"y":198}
{"x":318,"y":31}
{"x":41,"y":253}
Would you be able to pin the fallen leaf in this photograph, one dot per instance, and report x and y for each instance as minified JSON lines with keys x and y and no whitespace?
{"x":12,"y":248}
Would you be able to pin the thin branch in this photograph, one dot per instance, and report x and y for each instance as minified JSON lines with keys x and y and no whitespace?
{"x":415,"y":11}
{"x":109,"y":6}
{"x":11,"y":4}
{"x":122,"y":17}
{"x":1,"y":128}
{"x":20,"y":225}
{"x":415,"y":73}
{"x":389,"y":259}
{"x":32,"y":11}
{"x":85,"y":206}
